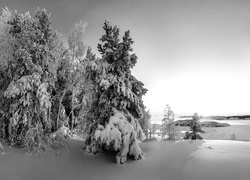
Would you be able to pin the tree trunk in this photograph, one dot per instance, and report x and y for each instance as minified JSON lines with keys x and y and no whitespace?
{"x":72,"y":109}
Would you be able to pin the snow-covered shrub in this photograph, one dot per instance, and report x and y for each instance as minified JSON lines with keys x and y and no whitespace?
{"x":233,"y":137}
{"x":192,"y":136}
{"x":120,"y":135}
{"x":36,"y":141}
{"x":62,"y":132}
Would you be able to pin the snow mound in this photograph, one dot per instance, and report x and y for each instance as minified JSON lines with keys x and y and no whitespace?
{"x":61,"y":132}
{"x":206,"y":147}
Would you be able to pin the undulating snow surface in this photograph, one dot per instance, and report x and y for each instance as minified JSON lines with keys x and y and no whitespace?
{"x":166,"y":160}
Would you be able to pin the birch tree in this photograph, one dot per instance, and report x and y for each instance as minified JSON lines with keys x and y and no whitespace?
{"x":168,"y":125}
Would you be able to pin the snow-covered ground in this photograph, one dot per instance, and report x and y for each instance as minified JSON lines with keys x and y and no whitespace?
{"x":209,"y":159}
{"x":220,"y":159}
{"x":166,"y":160}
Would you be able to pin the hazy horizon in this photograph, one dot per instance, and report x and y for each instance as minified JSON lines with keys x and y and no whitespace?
{"x":193,"y":55}
{"x":158,"y":119}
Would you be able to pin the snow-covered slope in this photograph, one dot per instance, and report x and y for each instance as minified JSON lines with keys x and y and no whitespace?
{"x":183,"y":160}
{"x":220,"y":159}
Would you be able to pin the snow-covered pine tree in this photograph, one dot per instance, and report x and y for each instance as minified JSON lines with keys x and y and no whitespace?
{"x":168,"y":125}
{"x":119,"y":98}
{"x":30,"y":72}
{"x":195,"y":128}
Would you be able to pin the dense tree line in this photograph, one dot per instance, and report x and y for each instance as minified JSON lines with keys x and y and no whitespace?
{"x":46,"y":84}
{"x":28,"y":74}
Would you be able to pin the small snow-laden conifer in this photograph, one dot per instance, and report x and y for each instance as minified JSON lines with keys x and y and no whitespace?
{"x":30,"y":71}
{"x":118,"y":104}
{"x":195,"y":128}
{"x":168,"y":126}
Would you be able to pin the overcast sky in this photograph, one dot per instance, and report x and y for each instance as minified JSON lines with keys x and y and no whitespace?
{"x":193,"y":54}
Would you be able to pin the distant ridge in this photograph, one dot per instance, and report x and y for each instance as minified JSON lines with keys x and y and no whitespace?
{"x":236,"y":117}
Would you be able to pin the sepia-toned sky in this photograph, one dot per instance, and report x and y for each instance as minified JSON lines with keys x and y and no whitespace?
{"x":193,"y":54}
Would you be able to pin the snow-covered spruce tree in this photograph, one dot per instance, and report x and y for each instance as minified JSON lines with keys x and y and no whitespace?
{"x":168,"y":125}
{"x":6,"y":50}
{"x":30,"y":72}
{"x":119,"y":99}
{"x":195,"y":128}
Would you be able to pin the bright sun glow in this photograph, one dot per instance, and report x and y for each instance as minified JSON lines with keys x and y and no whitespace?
{"x":206,"y":95}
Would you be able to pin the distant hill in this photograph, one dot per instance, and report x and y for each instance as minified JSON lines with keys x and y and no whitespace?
{"x":236,"y":117}
{"x":241,"y":117}
{"x":186,"y":117}
{"x":205,"y":123}
{"x":187,"y":123}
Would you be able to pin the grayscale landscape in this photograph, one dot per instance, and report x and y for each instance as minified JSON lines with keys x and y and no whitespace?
{"x":124,"y":90}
